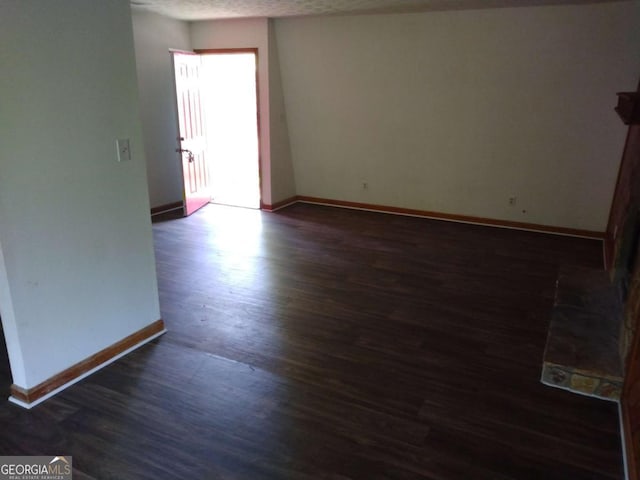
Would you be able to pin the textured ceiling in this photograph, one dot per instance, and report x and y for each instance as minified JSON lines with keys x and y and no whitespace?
{"x":217,"y":9}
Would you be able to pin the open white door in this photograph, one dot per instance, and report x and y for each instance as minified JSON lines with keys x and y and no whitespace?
{"x":192,"y":142}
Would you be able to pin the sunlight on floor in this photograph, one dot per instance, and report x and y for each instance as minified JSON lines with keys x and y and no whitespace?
{"x":238,"y":305}
{"x":237,"y":239}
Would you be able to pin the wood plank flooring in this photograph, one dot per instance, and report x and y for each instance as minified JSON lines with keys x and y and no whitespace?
{"x":323,"y":343}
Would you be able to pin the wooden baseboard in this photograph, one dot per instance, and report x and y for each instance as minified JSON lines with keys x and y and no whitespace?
{"x":29,"y":396}
{"x":278,"y":205}
{"x":454,"y":218}
{"x":169,"y":207}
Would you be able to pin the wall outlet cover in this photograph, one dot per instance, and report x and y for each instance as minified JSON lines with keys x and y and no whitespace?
{"x":124,"y":149}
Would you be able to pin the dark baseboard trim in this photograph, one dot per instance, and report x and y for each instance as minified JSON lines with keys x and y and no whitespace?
{"x":572,"y":232}
{"x":278,"y":205}
{"x":169,"y":207}
{"x":28,"y":396}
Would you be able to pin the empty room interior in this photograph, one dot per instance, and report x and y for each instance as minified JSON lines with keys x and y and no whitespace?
{"x":434,"y":276}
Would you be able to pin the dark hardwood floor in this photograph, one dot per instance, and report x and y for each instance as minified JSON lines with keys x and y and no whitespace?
{"x":323,"y":343}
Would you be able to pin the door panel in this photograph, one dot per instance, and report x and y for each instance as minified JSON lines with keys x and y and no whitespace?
{"x":192,"y":141}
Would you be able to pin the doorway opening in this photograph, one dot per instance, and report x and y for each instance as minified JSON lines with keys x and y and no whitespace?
{"x":232,"y":128}
{"x":217,"y":109}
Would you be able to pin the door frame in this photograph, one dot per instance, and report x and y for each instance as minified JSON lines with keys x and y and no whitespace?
{"x":254,"y":50}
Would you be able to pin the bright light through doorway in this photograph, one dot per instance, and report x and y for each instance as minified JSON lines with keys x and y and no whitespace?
{"x":229,"y":85}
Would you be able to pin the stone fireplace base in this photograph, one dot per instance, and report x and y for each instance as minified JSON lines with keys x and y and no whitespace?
{"x":583,"y":352}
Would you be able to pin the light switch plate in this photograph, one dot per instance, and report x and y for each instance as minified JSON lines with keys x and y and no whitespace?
{"x":124,"y":150}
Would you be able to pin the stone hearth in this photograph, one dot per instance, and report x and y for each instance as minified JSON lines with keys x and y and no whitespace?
{"x":595,"y":315}
{"x":583,"y":345}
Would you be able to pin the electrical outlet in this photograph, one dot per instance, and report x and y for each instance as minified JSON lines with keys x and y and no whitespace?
{"x":365,"y":185}
{"x":124,"y":150}
{"x":512,"y":200}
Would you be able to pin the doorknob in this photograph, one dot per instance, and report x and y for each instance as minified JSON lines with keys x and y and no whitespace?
{"x":187,"y":151}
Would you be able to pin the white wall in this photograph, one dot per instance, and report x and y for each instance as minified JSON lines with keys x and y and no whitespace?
{"x":78,"y":272}
{"x":154,"y":35}
{"x":254,"y":33}
{"x":283,"y":184}
{"x":457,"y":111}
